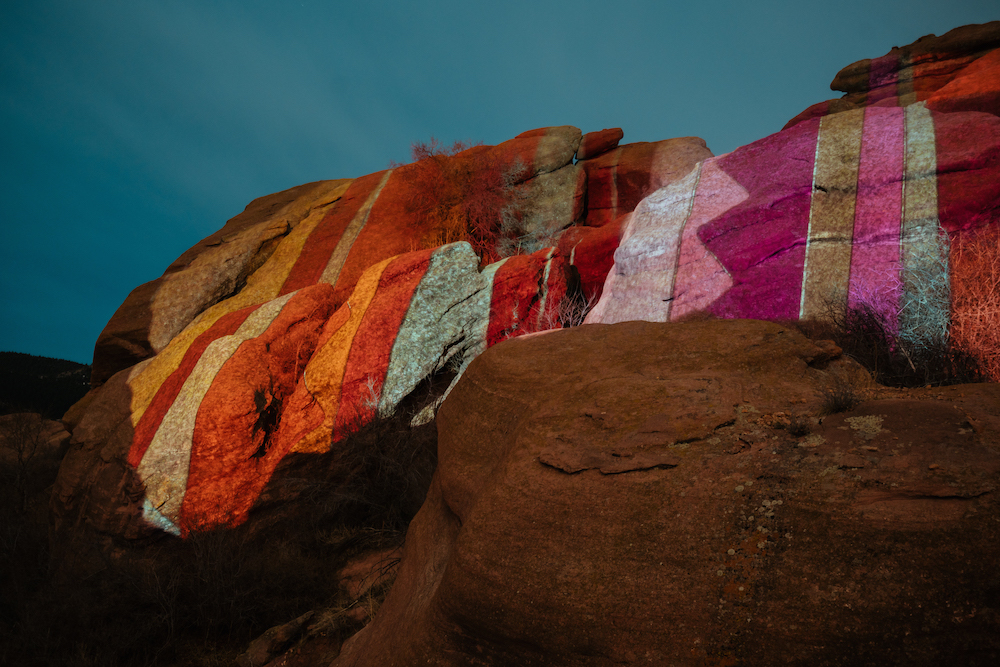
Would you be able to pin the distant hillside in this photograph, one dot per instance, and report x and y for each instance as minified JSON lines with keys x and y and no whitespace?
{"x":40,"y":384}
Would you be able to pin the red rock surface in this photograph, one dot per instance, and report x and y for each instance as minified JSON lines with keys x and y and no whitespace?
{"x":322,"y":305}
{"x":631,"y":494}
{"x":596,"y":143}
{"x":621,"y":178}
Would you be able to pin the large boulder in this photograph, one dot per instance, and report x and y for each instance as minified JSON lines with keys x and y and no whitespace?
{"x":664,"y":494}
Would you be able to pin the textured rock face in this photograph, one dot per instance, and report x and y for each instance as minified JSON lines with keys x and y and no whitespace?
{"x":954,"y":72}
{"x":311,"y":311}
{"x":597,"y":143}
{"x":618,"y":179}
{"x":629,"y":494}
{"x":321,"y":305}
{"x":209,"y":272}
{"x":857,"y":204}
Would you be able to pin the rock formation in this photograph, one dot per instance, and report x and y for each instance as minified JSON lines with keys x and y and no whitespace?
{"x":634,"y":494}
{"x":324,"y":305}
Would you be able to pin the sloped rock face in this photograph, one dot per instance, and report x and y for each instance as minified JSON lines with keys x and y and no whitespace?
{"x":209,"y":272}
{"x":856,"y":204}
{"x":322,"y":305}
{"x":954,"y":72}
{"x":315,"y":309}
{"x":630,"y":494}
{"x":617,"y":180}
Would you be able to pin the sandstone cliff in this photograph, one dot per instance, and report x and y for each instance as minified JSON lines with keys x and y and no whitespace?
{"x":323,"y":306}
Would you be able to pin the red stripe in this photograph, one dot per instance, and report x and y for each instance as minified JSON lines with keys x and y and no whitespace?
{"x":227,"y":471}
{"x":318,"y":248}
{"x":171,"y":387}
{"x":371,"y":350}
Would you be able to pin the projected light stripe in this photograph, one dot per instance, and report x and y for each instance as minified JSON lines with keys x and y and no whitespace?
{"x":264,"y":285}
{"x":164,"y":467}
{"x":374,"y":346}
{"x":325,"y":371}
{"x":700,"y":277}
{"x":343,"y":249}
{"x":875,"y":261}
{"x":926,"y":302}
{"x":642,"y":280}
{"x":831,"y":218}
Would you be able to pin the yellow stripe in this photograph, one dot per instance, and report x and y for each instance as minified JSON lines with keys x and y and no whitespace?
{"x":326,"y":368}
{"x":164,"y":466}
{"x":831,"y":216}
{"x":262,"y":286}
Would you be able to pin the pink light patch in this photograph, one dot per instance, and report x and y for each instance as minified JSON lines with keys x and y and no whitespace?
{"x":875,"y":277}
{"x":701,"y":278}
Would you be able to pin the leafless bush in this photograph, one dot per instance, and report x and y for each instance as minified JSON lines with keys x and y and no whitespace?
{"x":22,"y":436}
{"x":975,"y":270}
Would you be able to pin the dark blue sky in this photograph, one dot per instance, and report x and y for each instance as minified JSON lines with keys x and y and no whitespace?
{"x":131,"y":129}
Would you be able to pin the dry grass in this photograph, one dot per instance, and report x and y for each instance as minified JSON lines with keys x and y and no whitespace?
{"x":975,"y":280}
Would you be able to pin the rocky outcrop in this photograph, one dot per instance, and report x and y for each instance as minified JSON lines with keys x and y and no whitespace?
{"x":598,"y":143}
{"x":666,"y":494}
{"x":619,"y":179}
{"x":312,"y":311}
{"x":859,"y":205}
{"x":322,"y":306}
{"x":211,"y":271}
{"x":954,"y":72}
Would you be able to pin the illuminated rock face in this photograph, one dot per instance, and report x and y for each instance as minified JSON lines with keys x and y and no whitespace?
{"x":321,"y":305}
{"x":313,"y":310}
{"x":854,"y":202}
{"x":854,"y":206}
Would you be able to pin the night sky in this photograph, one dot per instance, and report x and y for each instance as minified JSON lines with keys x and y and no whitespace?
{"x":130,"y":130}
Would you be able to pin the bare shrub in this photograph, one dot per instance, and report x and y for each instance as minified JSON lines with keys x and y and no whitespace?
{"x":467,"y":195}
{"x":975,"y":325}
{"x":893,"y":358}
{"x":841,"y":396}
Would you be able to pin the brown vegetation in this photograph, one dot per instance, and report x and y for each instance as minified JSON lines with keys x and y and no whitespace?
{"x":975,"y":324}
{"x":201,"y":600}
{"x":466,"y":192}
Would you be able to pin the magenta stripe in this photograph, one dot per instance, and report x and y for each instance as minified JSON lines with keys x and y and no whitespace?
{"x":884,"y":72}
{"x":875,"y":277}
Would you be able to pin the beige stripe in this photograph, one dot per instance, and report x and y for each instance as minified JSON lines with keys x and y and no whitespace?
{"x":614,"y":183}
{"x":831,"y":215}
{"x":640,"y":284}
{"x":479,"y":315}
{"x":164,"y":466}
{"x":263,"y":285}
{"x":350,"y":235}
{"x":449,"y":311}
{"x":924,"y":315}
{"x":904,"y":84}
{"x":544,"y":288}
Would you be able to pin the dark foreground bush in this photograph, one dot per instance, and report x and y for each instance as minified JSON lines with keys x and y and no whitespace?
{"x":893,"y":361}
{"x":201,"y":600}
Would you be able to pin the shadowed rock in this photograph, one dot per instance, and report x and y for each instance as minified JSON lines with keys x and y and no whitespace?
{"x":630,"y":494}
